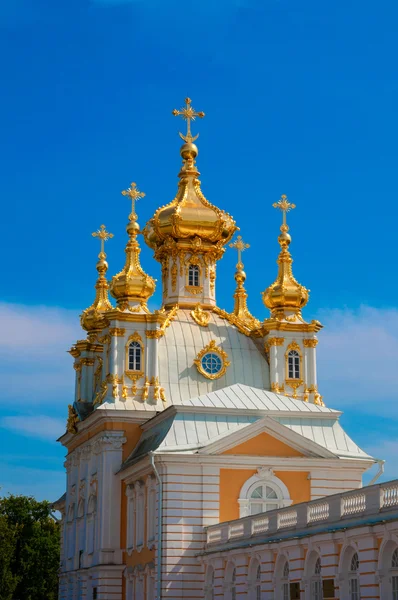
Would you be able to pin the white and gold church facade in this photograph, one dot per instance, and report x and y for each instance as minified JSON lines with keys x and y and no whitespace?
{"x":199,"y":449}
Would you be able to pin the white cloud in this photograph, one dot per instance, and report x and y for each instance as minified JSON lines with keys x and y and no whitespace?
{"x":40,"y":426}
{"x":34,"y":365}
{"x":357,"y":358}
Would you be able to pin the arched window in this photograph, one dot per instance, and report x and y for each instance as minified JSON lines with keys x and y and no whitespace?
{"x":135,"y":356}
{"x":316,"y":584}
{"x":353,"y":581}
{"x":258,"y":583}
{"x":261,"y":492}
{"x":394,"y":574}
{"x":293,"y":364}
{"x":233,"y":584}
{"x":263,"y":497}
{"x":285,"y":582}
{"x":193,"y":275}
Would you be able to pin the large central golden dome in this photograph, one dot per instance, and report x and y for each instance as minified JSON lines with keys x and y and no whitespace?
{"x":189,"y":215}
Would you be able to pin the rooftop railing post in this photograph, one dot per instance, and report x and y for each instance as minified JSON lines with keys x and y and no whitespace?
{"x":335,"y":507}
{"x":302,"y":515}
{"x":373,"y":498}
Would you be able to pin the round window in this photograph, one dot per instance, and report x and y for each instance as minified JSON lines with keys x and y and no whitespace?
{"x":211,"y":363}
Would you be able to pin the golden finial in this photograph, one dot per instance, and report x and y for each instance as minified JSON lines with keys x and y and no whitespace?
{"x":103,"y":235}
{"x":134,"y":194}
{"x":284,"y":206}
{"x":188,"y":113}
{"x":240,"y":246}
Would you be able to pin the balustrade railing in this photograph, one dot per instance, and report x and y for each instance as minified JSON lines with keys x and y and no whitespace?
{"x":355,"y":504}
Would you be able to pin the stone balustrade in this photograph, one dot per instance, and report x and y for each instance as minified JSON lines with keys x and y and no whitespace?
{"x":337,"y":509}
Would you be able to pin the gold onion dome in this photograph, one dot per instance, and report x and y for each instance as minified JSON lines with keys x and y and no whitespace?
{"x":132,"y":285}
{"x":189,"y":214}
{"x":285,"y":296}
{"x":93,"y":318}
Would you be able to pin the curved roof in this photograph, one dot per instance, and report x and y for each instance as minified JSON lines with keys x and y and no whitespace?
{"x":182,"y":342}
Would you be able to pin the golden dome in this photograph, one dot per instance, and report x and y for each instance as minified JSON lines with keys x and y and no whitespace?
{"x":285,"y":297}
{"x":132,"y":285}
{"x":189,"y":214}
{"x":93,"y":318}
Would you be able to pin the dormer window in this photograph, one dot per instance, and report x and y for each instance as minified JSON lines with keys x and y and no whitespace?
{"x":135,"y":356}
{"x":193,"y":275}
{"x":293,"y":364}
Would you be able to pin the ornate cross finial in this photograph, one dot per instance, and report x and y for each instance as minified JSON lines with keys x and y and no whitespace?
{"x":134,"y":194}
{"x":103,"y":235}
{"x":188,"y":113}
{"x":240,"y":246}
{"x":285,"y":206}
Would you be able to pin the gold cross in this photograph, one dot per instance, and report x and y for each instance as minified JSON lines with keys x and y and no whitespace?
{"x":285,"y":206}
{"x":103,"y":235}
{"x":240,"y":246}
{"x":188,"y":113}
{"x":134,"y":193}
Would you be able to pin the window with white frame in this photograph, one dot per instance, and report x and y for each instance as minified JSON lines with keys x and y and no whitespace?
{"x":394,"y":574}
{"x":293,"y":364}
{"x":263,"y":492}
{"x":139,"y":515}
{"x":193,"y":275}
{"x":209,"y":586}
{"x":151,"y":513}
{"x":135,"y":356}
{"x":316,"y":583}
{"x":353,"y":580}
{"x":130,"y":537}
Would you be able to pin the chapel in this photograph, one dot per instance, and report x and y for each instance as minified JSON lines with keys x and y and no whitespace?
{"x":189,"y":416}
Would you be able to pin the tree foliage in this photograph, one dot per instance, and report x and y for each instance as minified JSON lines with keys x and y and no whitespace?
{"x":29,"y":550}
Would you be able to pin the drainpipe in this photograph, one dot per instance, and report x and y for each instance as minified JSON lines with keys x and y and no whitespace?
{"x":160,"y":511}
{"x":379,"y":472}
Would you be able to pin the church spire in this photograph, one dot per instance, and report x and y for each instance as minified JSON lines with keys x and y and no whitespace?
{"x":240,"y":296}
{"x":93,"y":317}
{"x":285,"y":297}
{"x":188,"y":235}
{"x":132,"y":286}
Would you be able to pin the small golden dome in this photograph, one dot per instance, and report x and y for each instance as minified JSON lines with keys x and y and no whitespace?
{"x":93,"y":318}
{"x":285,"y":296}
{"x":132,"y":285}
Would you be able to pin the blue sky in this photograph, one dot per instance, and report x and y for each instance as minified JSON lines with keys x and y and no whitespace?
{"x":300,"y":98}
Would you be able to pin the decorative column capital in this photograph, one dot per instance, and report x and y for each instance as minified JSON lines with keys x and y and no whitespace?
{"x":117,"y":331}
{"x":310,"y":343}
{"x":276,"y":341}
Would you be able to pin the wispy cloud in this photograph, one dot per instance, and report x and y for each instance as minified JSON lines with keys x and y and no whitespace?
{"x":40,"y":426}
{"x":33,"y":343}
{"x":357,"y":356}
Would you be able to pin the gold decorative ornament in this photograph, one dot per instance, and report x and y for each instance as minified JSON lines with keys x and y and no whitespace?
{"x":212,"y":280}
{"x":97,"y":375}
{"x":101,"y":395}
{"x":132,"y":286}
{"x":72,"y":421}
{"x":194,"y":289}
{"x":276,"y":341}
{"x":163,"y":395}
{"x":188,"y":113}
{"x":200,"y":316}
{"x":310,"y":343}
{"x":124,"y":391}
{"x":145,"y":390}
{"x":93,"y":318}
{"x":154,"y":334}
{"x":168,"y":318}
{"x":285,"y":297}
{"x":278,"y":388}
{"x":87,"y":362}
{"x":294,"y":384}
{"x":213,"y":349}
{"x":117,"y":331}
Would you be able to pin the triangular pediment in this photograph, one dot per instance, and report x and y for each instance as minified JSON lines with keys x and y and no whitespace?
{"x":267,"y":437}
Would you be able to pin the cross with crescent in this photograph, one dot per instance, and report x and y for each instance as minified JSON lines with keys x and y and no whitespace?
{"x":134,"y":194}
{"x":103,"y":235}
{"x":285,"y":206}
{"x":240,"y":246}
{"x":188,"y":113}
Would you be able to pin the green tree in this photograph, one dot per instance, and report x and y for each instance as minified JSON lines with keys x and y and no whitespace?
{"x":8,"y":581}
{"x":35,"y":548}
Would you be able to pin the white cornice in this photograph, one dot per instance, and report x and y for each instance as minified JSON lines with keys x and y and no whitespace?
{"x":276,"y":430}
